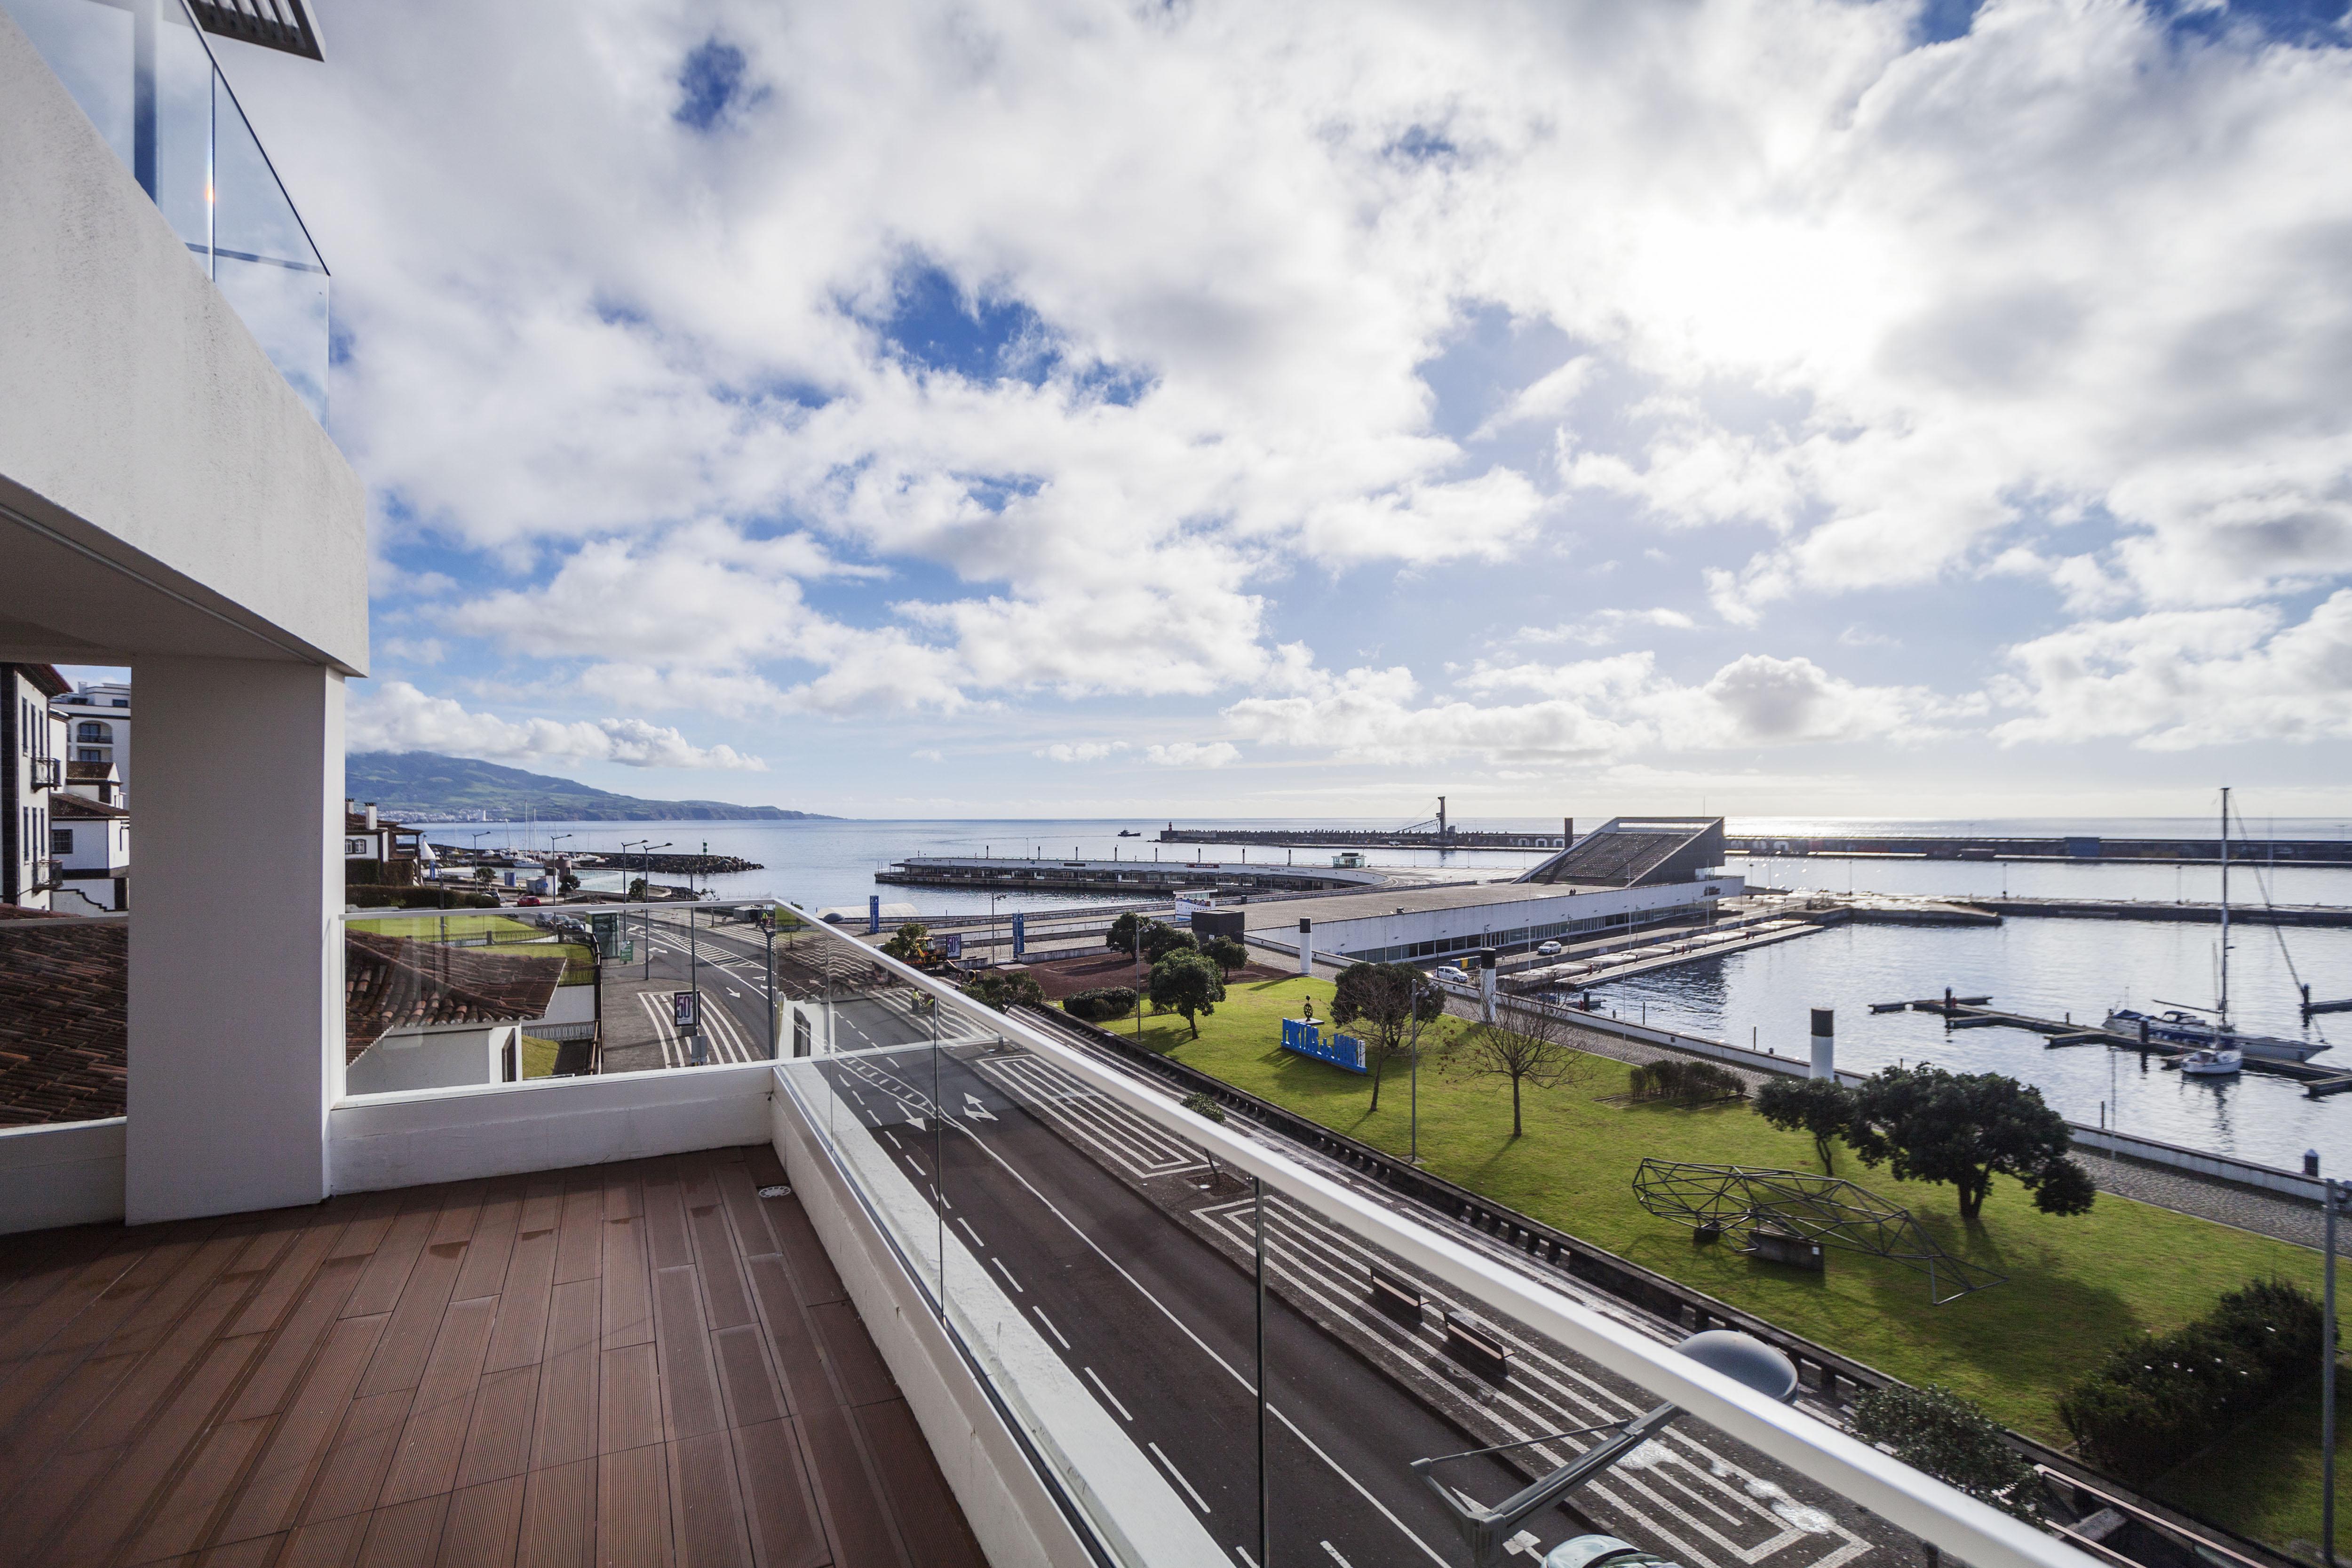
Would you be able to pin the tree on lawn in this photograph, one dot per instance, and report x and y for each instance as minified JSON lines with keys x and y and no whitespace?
{"x":1951,"y":1438}
{"x":1004,"y":991}
{"x":1931,"y":1125}
{"x":1820,"y":1106}
{"x":1526,"y":1047}
{"x":1227,"y":954}
{"x":1382,"y":1003}
{"x":1185,"y":982}
{"x":910,"y":943}
{"x":1121,"y":936}
{"x":1160,"y":941}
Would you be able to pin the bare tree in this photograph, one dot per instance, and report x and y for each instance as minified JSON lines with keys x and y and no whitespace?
{"x":1526,"y":1045}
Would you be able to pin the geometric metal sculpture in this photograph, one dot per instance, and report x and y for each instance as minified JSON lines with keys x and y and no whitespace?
{"x":1828,"y":1210}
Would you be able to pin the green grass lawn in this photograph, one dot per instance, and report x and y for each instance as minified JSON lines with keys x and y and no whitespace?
{"x":2076,"y":1286}
{"x":461,"y":922}
{"x":538,"y":1057}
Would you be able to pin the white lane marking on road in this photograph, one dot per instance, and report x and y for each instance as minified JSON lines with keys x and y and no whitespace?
{"x":1124,"y":1414}
{"x":974,"y":1109}
{"x":1569,"y":1390}
{"x":1185,"y":1328}
{"x":1334,"y":1551}
{"x":1092,"y":1118}
{"x":1180,"y":1481}
{"x":971,"y":1233}
{"x":916,"y":1166}
{"x":892,"y":1142}
{"x":1243,"y":1553}
{"x":672,"y":1055}
{"x":1524,"y":1540}
{"x":855,"y":1095}
{"x":1008,"y":1274}
{"x":1049,"y":1325}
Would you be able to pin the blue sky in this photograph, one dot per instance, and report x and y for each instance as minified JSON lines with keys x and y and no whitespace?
{"x":1863,"y":408}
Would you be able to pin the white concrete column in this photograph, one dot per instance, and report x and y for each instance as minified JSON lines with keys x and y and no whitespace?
{"x":1825,"y":1063}
{"x":1487,"y":957}
{"x":236,"y":969}
{"x":1306,"y":948}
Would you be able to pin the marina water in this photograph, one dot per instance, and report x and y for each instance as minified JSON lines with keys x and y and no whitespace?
{"x":2051,"y":968}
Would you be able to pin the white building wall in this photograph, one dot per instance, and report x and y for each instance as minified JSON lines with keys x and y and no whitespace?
{"x":114,"y":746}
{"x":160,"y":438}
{"x":236,"y":1025}
{"x":1376,"y":934}
{"x":455,"y":1056}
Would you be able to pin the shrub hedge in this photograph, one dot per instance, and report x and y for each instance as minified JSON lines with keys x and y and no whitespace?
{"x":1675,"y":1077}
{"x":1100,"y":1004}
{"x":376,"y":896}
{"x":2155,"y":1402}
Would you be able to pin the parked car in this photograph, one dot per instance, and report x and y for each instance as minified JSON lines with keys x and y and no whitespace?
{"x":528,"y":901}
{"x":1548,"y":950}
{"x":1452,"y":974}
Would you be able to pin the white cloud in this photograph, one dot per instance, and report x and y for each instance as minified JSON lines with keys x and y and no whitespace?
{"x":1870,"y":313}
{"x":1595,"y":709}
{"x":1081,"y":751}
{"x":393,"y":716}
{"x":2178,"y":679}
{"x":1604,"y":627}
{"x":416,"y":650}
{"x":1192,"y":754}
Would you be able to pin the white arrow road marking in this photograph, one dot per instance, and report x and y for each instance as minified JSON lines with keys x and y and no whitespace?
{"x":973,"y":1108}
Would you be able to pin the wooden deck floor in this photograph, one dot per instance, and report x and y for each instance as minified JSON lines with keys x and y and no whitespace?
{"x":634,"y":1364}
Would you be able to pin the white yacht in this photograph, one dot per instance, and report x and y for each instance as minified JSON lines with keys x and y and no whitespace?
{"x":2209,"y":1035}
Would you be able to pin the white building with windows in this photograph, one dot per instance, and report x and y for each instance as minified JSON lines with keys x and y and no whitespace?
{"x":89,"y":853}
{"x":97,"y":715}
{"x":33,"y":777}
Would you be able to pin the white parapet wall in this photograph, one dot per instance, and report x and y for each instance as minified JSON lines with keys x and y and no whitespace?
{"x":379,"y":1142}
{"x":1013,"y":1515}
{"x":70,"y":1173}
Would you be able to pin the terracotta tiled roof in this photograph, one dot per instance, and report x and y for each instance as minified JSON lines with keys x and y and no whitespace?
{"x":397,"y":982}
{"x":63,"y":806}
{"x":62,"y":1018}
{"x":47,"y":678}
{"x":63,"y":1005}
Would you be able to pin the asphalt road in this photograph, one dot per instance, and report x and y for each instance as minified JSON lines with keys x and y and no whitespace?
{"x":1158,"y":1322}
{"x":729,"y":966}
{"x":1161,"y":1325}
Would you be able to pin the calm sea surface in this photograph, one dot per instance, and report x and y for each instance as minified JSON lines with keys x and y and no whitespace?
{"x":2046,"y":967}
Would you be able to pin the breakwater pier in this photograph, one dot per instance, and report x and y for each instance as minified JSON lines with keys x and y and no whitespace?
{"x":1130,"y":877}
{"x":1354,"y":839}
{"x":2154,"y":910}
{"x":2078,"y":848}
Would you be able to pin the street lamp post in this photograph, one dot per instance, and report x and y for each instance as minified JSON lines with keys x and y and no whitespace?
{"x":2335,"y":1195}
{"x":1415,"y":1058}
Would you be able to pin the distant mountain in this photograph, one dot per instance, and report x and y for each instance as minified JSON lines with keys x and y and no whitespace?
{"x":427,"y":785}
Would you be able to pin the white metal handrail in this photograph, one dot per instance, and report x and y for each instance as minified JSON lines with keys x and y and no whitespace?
{"x":1979,"y":1534}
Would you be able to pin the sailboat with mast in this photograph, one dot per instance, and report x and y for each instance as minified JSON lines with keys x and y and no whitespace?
{"x":2217,"y":1049}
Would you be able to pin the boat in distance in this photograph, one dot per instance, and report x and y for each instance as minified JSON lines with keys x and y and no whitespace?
{"x":2178,"y":1028}
{"x":2222,"y":1063}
